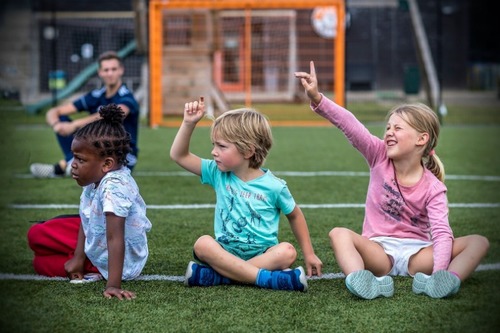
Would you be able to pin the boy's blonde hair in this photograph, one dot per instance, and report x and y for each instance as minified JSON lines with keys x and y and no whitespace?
{"x":423,"y":120}
{"x":247,"y":129}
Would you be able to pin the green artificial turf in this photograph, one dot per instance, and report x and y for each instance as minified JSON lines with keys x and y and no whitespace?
{"x":468,"y":147}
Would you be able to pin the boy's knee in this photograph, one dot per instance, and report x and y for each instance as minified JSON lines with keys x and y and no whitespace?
{"x":285,"y":254}
{"x":202,"y":246}
{"x":289,"y":252}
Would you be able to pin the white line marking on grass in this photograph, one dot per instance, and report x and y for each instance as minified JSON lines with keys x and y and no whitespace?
{"x":295,"y":174}
{"x":312,"y":174}
{"x":328,"y":276}
{"x":488,"y":267}
{"x":47,"y":206}
{"x":193,"y":206}
{"x":29,"y":277}
{"x":474,"y":205}
{"x":157,"y":277}
{"x":178,"y":278}
{"x":205,"y":206}
{"x":472,"y":177}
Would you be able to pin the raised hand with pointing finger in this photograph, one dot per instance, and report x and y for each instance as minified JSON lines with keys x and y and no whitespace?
{"x":310,"y":83}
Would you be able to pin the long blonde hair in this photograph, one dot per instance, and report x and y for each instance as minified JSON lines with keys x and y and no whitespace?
{"x":423,"y":120}
{"x":247,"y":129}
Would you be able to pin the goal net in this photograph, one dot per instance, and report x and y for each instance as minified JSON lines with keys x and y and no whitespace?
{"x":71,"y":42}
{"x":241,"y":52}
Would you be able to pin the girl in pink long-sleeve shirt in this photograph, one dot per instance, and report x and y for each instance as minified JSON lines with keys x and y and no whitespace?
{"x":405,"y":229}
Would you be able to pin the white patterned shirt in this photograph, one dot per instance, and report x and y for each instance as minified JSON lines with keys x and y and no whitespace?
{"x":117,"y":193}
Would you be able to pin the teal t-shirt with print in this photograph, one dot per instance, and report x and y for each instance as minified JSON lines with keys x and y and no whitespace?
{"x":247,"y":214}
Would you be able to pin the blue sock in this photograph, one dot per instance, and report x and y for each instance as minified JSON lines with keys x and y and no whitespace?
{"x":218,"y":279}
{"x":263,"y":278}
{"x":225,"y":280}
{"x":200,"y":275}
{"x":282,"y":279}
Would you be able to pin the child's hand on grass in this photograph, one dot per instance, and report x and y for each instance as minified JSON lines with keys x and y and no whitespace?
{"x":314,"y":265}
{"x":110,"y":292}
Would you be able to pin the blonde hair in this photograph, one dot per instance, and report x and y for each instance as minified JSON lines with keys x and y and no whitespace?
{"x":420,"y":117}
{"x":247,"y":129}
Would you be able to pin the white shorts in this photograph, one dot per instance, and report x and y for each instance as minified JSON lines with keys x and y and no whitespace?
{"x":400,"y":250}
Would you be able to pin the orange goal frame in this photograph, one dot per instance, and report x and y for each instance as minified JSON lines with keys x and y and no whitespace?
{"x":156,"y":41}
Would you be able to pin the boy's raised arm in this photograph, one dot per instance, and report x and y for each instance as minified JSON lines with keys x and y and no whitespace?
{"x":179,"y":152}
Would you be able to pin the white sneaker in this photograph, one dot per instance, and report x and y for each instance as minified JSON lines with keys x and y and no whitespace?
{"x":365,"y":285}
{"x":438,"y":285}
{"x":89,"y":277}
{"x":40,"y":170}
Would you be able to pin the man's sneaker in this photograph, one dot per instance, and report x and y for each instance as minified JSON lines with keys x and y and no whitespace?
{"x":40,"y":170}
{"x":293,"y":279}
{"x":366,"y":285}
{"x":438,"y":285}
{"x":203,"y":276}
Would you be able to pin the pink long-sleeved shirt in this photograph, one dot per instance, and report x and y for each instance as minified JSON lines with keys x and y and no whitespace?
{"x":393,"y":210}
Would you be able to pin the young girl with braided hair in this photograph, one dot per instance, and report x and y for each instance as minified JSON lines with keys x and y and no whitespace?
{"x":406,"y":229}
{"x":111,"y":238}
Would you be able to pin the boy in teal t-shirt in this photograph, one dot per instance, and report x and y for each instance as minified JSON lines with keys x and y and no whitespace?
{"x":249,"y":202}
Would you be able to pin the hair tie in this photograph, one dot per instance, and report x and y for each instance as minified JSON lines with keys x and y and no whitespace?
{"x":432,"y":152}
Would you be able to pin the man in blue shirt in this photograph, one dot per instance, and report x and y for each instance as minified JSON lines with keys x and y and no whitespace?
{"x":114,"y":91}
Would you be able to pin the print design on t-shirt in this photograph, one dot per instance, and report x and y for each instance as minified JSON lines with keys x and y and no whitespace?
{"x":392,"y":202}
{"x":239,"y":226}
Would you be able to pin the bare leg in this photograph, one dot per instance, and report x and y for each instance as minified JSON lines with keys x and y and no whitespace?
{"x":278,"y":257}
{"x":422,"y":261}
{"x":354,"y":252}
{"x":361,"y":260}
{"x":468,"y":251}
{"x":228,"y":265}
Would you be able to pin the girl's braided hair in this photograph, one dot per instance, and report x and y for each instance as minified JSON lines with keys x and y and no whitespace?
{"x":107,"y":134}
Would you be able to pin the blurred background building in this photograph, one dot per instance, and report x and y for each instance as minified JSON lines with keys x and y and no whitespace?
{"x":48,"y":43}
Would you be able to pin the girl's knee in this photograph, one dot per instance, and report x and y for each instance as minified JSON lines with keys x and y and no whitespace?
{"x":338,"y":232}
{"x":476,"y":244}
{"x":481,"y":242}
